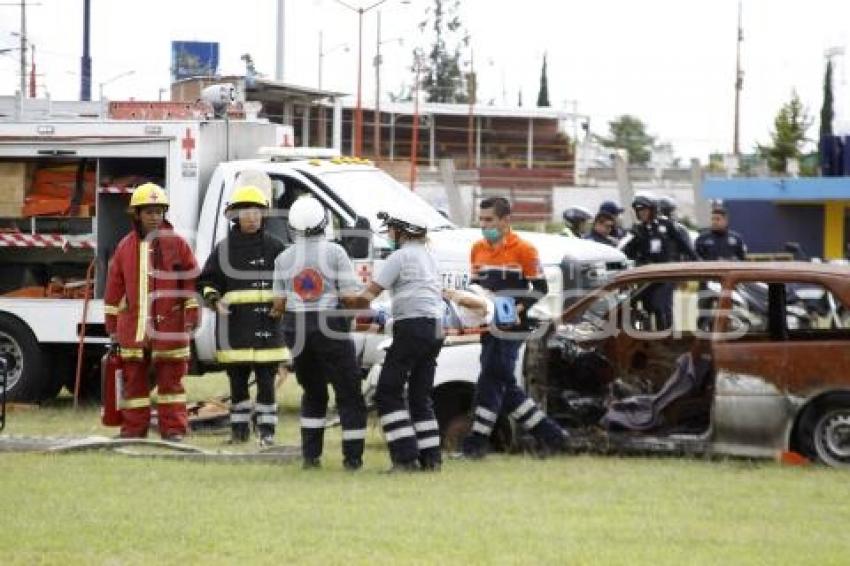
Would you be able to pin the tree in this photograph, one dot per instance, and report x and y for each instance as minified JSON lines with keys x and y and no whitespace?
{"x":789,"y":134}
{"x":543,"y":93}
{"x":826,"y":111}
{"x":442,"y":78}
{"x":629,"y":133}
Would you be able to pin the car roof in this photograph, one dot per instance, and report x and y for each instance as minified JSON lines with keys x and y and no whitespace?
{"x":837,"y":275}
{"x":741,"y":269}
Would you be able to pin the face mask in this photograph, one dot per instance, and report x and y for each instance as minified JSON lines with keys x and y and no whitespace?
{"x":491,"y":234}
{"x":392,"y":243}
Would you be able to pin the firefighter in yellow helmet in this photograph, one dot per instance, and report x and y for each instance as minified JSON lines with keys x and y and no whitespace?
{"x":150,"y":312}
{"x":237,"y":283}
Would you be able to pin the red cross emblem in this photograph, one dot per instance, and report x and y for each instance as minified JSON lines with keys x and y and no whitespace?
{"x":188,"y":143}
{"x":308,"y":284}
{"x":364,"y":271}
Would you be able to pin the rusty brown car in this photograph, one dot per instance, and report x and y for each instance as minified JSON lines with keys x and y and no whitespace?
{"x":755,"y":364}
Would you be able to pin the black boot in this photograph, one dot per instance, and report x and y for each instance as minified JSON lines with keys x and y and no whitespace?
{"x":240,"y":433}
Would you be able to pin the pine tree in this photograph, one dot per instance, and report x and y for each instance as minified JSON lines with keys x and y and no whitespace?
{"x":826,"y":111}
{"x":543,"y":94}
{"x":790,"y":126}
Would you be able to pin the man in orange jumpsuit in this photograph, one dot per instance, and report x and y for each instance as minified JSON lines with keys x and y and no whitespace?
{"x":150,"y":311}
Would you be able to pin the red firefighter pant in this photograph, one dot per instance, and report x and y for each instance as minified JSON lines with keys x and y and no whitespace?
{"x":171,"y":397}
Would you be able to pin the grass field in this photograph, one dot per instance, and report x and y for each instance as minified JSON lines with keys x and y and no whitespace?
{"x":102,"y":508}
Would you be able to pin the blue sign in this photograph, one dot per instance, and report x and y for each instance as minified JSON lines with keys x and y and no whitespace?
{"x":193,"y":59}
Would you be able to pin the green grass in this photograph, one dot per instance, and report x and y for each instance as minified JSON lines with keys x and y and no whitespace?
{"x":101,"y":508}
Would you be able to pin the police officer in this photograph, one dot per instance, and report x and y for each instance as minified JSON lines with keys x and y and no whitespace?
{"x":614,"y":210}
{"x":667,"y":209}
{"x":719,"y":242}
{"x":655,"y":239}
{"x":508,"y":267}
{"x":237,"y":283}
{"x":603,"y":225}
{"x":411,"y":274}
{"x":575,"y":220}
{"x":313,"y":279}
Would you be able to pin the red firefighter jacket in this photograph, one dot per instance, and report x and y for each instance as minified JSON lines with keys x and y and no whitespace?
{"x":150,"y":295}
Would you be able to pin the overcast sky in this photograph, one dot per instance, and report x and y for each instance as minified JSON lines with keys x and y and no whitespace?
{"x":669,"y":62}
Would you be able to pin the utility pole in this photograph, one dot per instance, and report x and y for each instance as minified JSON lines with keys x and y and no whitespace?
{"x":32,"y":74}
{"x":739,"y":85}
{"x":376,"y":143}
{"x":281,"y":21}
{"x":414,"y":136}
{"x":85,"y":62}
{"x":470,"y":126}
{"x":23,"y":49}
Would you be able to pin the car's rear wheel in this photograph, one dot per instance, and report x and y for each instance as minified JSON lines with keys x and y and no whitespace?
{"x":824,"y":431}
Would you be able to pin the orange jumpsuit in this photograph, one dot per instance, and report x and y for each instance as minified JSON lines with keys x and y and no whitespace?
{"x":150,"y":304}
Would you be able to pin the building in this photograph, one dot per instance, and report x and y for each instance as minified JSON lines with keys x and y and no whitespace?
{"x":768,"y":212}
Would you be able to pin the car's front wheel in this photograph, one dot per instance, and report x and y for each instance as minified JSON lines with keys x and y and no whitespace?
{"x":824,"y":431}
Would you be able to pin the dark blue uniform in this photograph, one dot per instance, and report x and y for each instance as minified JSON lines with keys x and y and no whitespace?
{"x":658,"y":241}
{"x":607,"y":240}
{"x":726,"y":245}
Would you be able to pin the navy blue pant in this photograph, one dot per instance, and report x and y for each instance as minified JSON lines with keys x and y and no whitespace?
{"x":498,"y":393}
{"x":265,"y":411}
{"x":330,"y":360}
{"x":410,"y":427}
{"x":658,"y":299}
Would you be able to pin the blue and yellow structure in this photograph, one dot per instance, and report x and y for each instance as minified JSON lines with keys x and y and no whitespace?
{"x":814,"y":211}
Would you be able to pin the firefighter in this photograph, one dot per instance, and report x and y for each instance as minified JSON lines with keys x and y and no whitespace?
{"x":575,"y":220}
{"x":412,"y":276}
{"x":508,"y":267}
{"x":655,"y":239}
{"x":313,"y":279}
{"x":236,"y":282}
{"x":150,"y":311}
{"x":719,"y":242}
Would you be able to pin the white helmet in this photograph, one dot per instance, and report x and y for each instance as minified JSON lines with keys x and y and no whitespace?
{"x":406,"y":220}
{"x":308,"y":215}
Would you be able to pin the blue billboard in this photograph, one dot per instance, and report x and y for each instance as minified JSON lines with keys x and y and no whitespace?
{"x":193,"y":59}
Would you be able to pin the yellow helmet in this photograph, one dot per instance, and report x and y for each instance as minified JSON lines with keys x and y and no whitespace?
{"x":248,"y":195}
{"x":149,"y":194}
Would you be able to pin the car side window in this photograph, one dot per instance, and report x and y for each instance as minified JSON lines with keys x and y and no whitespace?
{"x":812,"y":310}
{"x":749,"y":313}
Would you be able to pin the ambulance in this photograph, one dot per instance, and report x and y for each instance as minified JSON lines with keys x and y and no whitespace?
{"x":54,"y":260}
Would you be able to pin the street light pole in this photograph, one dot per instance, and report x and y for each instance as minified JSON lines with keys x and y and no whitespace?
{"x":378,"y":62}
{"x":358,"y":111}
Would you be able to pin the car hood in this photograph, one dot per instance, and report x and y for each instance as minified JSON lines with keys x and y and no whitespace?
{"x":455,"y":244}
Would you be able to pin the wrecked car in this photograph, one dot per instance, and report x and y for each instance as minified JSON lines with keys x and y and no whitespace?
{"x":755,"y":364}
